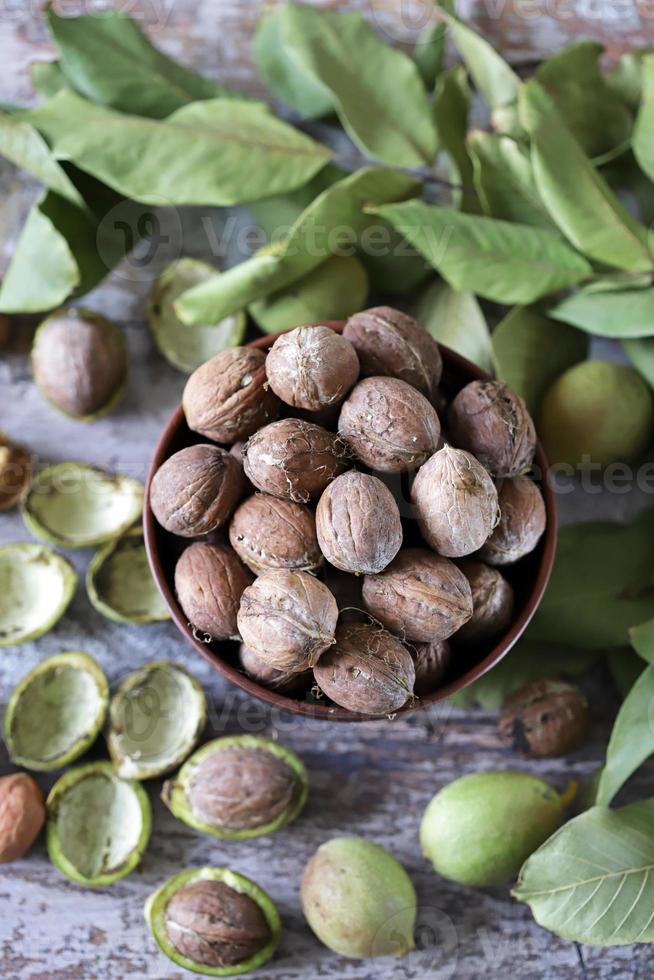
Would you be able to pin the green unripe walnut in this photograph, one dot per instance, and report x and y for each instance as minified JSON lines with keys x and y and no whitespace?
{"x":480,"y":829}
{"x":359,"y":900}
{"x":597,"y":412}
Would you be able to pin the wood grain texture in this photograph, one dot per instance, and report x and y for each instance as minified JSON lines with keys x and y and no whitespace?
{"x":373,"y":779}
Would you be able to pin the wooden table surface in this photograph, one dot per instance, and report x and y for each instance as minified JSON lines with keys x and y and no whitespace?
{"x":372,"y":779}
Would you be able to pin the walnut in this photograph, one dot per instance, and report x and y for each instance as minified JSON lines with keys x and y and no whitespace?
{"x":522,"y":522}
{"x":492,"y":422}
{"x":389,"y":425}
{"x":267,"y":532}
{"x":456,"y":502}
{"x":431,"y":663}
{"x":22,"y":815}
{"x":368,"y":670}
{"x":195,"y":491}
{"x":209,"y":581}
{"x":284,"y":681}
{"x":545,"y":718}
{"x":294,"y":459}
{"x":227,"y":398}
{"x":393,"y":344}
{"x":492,"y":601}
{"x":288,"y":619}
{"x":420,"y":596}
{"x":358,"y":524}
{"x":312,"y":367}
{"x":15,"y":473}
{"x":214,"y":925}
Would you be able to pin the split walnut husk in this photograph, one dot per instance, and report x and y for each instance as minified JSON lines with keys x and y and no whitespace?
{"x":238,"y":787}
{"x":98,"y":825}
{"x":78,"y":506}
{"x":186,"y":348}
{"x":55,"y":713}
{"x":36,"y":587}
{"x":119,"y":583}
{"x":214,"y":921}
{"x":155,"y":720}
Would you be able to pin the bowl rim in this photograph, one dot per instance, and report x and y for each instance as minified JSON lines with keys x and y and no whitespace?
{"x":328,"y":712}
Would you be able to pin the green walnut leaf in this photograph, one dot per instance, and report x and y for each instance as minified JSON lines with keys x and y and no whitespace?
{"x":641,"y":354}
{"x":309,"y":243}
{"x":528,"y":661}
{"x":430,"y":48}
{"x":25,"y":147}
{"x":283,"y":72}
{"x":377,"y":91}
{"x":642,"y":640}
{"x":592,"y":110}
{"x":622,"y":313}
{"x":602,"y":583}
{"x":643,"y":142}
{"x":592,"y":881}
{"x":456,"y":320}
{"x":626,"y":79}
{"x":108,"y":59}
{"x":48,"y":78}
{"x":277,"y":215}
{"x":494,"y":78}
{"x":503,"y":262}
{"x":577,"y":197}
{"x":625,"y":668}
{"x":218,"y":151}
{"x":451,"y":108}
{"x":531,"y":352}
{"x":505,"y":181}
{"x":632,"y":738}
{"x":56,"y":255}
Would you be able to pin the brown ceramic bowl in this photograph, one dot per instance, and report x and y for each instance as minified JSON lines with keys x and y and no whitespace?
{"x":529,"y":577}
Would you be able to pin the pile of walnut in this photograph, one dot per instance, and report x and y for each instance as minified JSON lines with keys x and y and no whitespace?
{"x":316,"y":525}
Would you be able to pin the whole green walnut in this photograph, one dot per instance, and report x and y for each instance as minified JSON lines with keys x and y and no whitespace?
{"x":268,"y":532}
{"x":420,"y":596}
{"x":367,"y":670}
{"x":288,"y":619}
{"x":15,"y":473}
{"x":392,"y":344}
{"x":228,"y":398}
{"x":312,"y":367}
{"x":522,"y":523}
{"x":238,"y":787}
{"x":359,"y":900}
{"x":358,"y":524}
{"x":545,"y":718}
{"x":492,"y":602}
{"x":22,"y":815}
{"x":480,"y":829}
{"x":597,"y":412}
{"x":389,"y":426}
{"x":456,"y":502}
{"x":79,"y":361}
{"x":209,"y":581}
{"x":294,"y":459}
{"x":431,"y":661}
{"x":492,"y":422}
{"x":195,"y":490}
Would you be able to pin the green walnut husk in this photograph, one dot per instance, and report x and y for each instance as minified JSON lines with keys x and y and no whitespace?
{"x":55,"y":713}
{"x":480,"y":829}
{"x":84,"y":382}
{"x":597,"y":412}
{"x":155,"y":916}
{"x":119,"y":583}
{"x":333,"y":291}
{"x":78,"y":506}
{"x":178,"y":794}
{"x":186,"y":348}
{"x":36,"y":587}
{"x":98,"y":825}
{"x":155,"y":720}
{"x":359,"y":900}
